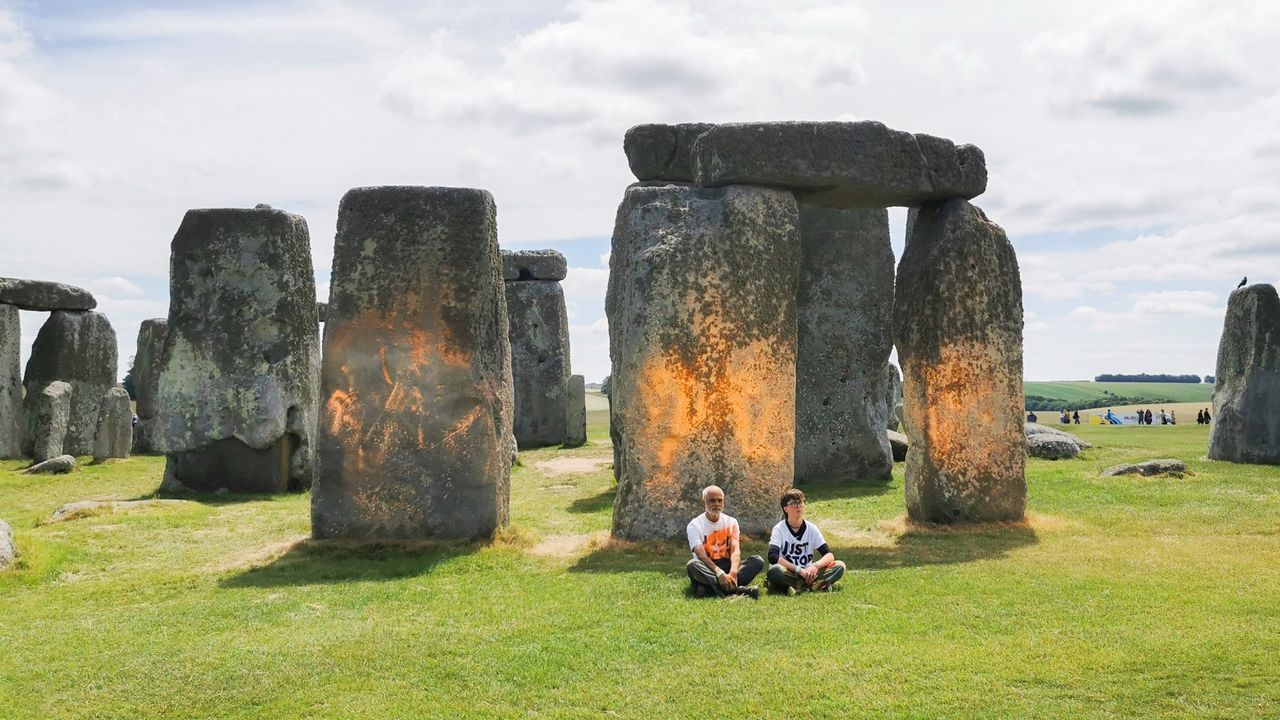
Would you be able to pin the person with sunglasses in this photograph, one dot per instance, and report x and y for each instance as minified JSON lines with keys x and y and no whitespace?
{"x":799,"y":557}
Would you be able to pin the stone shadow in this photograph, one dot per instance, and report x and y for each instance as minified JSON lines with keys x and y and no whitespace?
{"x":845,"y":491}
{"x":324,"y":562}
{"x":595,"y":503}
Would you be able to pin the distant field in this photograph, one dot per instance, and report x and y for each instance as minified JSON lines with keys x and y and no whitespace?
{"x":1073,"y":391}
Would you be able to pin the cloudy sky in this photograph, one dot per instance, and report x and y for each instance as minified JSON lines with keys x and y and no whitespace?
{"x":1133,"y":148}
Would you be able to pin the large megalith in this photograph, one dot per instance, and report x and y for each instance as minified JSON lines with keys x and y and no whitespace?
{"x":958,"y":329}
{"x":702,"y":331}
{"x":114,"y":436}
{"x":146,"y":382}
{"x":575,"y":412}
{"x":415,"y":428}
{"x":44,"y":296}
{"x":48,"y":412}
{"x":237,"y":389}
{"x":657,"y":151}
{"x":1246,"y":393}
{"x":844,"y":304}
{"x":539,"y":335}
{"x":10,"y":382}
{"x":78,"y":348}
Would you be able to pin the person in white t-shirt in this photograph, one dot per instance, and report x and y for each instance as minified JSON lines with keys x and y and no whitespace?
{"x":717,"y":567}
{"x":799,"y":557}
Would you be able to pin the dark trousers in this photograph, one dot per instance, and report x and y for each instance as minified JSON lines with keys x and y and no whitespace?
{"x":748,"y":569}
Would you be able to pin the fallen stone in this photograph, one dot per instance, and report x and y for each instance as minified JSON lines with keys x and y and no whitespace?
{"x":1037,"y":429}
{"x":899,"y":443}
{"x":539,"y":338}
{"x":42,"y":296}
{"x":1051,"y":447}
{"x":10,"y":383}
{"x":840,"y":164}
{"x":575,"y":413}
{"x":892,"y":394}
{"x":662,"y":152}
{"x":844,"y":306}
{"x":239,"y":374}
{"x":146,"y":382}
{"x":702,"y":331}
{"x":1148,"y":468}
{"x":534,"y":265}
{"x":958,"y":329}
{"x":1246,"y":426}
{"x":89,"y":508}
{"x":415,"y":430}
{"x":114,"y":437}
{"x":53,"y":466}
{"x":48,"y":410}
{"x":8,"y":551}
{"x":78,"y":348}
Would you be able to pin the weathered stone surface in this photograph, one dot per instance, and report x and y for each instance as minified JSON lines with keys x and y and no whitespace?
{"x":241,"y":359}
{"x":575,"y":412}
{"x":1037,"y":429}
{"x":844,"y":305}
{"x":662,"y":152}
{"x":539,"y":334}
{"x":114,"y":436}
{"x":146,"y":382}
{"x":89,"y":508}
{"x":840,"y":164}
{"x":534,"y":265}
{"x":8,"y":551}
{"x":892,"y":393}
{"x":78,"y":348}
{"x":59,"y":465}
{"x":702,"y":331}
{"x":1148,"y":468}
{"x":48,"y":411}
{"x":42,"y":296}
{"x":899,"y":443}
{"x":1246,"y":394}
{"x":10,"y":383}
{"x":415,"y":432}
{"x":958,"y":329}
{"x":1051,"y":447}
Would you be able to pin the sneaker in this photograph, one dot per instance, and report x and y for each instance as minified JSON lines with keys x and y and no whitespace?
{"x":750,"y":591}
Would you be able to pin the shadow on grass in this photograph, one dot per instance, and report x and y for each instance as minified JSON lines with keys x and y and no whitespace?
{"x":595,"y":503}
{"x":311,"y":562}
{"x":842,"y":491}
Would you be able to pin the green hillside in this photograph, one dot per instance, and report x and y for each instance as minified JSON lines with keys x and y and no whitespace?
{"x":1070,"y":392}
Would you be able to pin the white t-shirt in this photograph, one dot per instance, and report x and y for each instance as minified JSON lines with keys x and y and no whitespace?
{"x":797,"y":550}
{"x":714,"y":537}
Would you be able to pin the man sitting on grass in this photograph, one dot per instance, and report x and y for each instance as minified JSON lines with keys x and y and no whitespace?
{"x":792,"y":548}
{"x":716,"y":567}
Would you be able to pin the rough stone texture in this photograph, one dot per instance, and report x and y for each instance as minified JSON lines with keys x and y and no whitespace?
{"x":899,"y":443}
{"x":59,"y":465}
{"x":534,"y":265}
{"x":1051,"y":447}
{"x":8,"y":551}
{"x":892,"y":394}
{"x":241,"y":359}
{"x":1148,"y":468}
{"x":416,"y":427}
{"x":1246,"y":394}
{"x":10,"y":383}
{"x":47,"y":412}
{"x":42,"y":296}
{"x":958,"y":329}
{"x":702,"y":331}
{"x":575,"y":412}
{"x":840,"y":164}
{"x":146,"y":382}
{"x":114,"y":436}
{"x":539,"y":335}
{"x":1037,"y":429}
{"x":77,"y":348}
{"x":662,"y":152}
{"x":844,"y":305}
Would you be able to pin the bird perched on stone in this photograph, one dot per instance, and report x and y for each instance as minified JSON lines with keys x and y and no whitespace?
{"x":1243,"y":280}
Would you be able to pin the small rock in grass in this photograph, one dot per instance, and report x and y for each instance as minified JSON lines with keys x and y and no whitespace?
{"x":898,"y":444}
{"x":8,"y":553}
{"x":1051,"y":447}
{"x":1148,"y":468}
{"x":89,"y":508}
{"x":53,"y":466}
{"x":1037,"y":429}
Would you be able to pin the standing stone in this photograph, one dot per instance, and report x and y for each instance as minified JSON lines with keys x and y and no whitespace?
{"x":1246,"y":394}
{"x":8,"y":551}
{"x":10,"y":383}
{"x":539,"y":336}
{"x":702,"y":338}
{"x":48,"y":410}
{"x":958,"y":328}
{"x":115,"y":426}
{"x":237,"y":391}
{"x":146,"y":382}
{"x":78,"y":348}
{"x":844,"y":305}
{"x":42,"y":296}
{"x":662,"y":152}
{"x":415,"y":430}
{"x":575,"y":412}
{"x":892,"y":394}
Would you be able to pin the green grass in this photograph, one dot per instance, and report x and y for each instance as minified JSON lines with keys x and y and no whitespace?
{"x":1073,"y":391}
{"x":1121,"y":598}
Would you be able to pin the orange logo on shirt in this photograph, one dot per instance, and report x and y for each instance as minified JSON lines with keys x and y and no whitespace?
{"x":717,"y":544}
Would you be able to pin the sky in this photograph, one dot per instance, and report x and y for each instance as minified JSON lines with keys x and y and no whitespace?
{"x":1133,"y":148}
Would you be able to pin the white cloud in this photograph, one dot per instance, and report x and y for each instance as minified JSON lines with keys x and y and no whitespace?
{"x":116,"y":284}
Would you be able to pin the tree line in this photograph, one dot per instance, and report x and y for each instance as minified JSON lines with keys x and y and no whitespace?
{"x":1144,"y":377}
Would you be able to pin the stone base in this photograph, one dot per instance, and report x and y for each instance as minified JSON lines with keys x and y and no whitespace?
{"x":230,"y":464}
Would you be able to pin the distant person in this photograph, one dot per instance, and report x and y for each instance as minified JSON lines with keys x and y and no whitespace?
{"x":1206,"y":416}
{"x":1199,"y":417}
{"x":1031,"y":416}
{"x":1076,"y":416}
{"x":1173,"y":419}
{"x":716,"y":567}
{"x":1164,"y":418}
{"x":1064,"y":418}
{"x":800,"y":557}
{"x":1111,"y":417}
{"x":1148,"y":416}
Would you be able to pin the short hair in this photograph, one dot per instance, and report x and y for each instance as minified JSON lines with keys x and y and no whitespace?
{"x":791,"y":496}
{"x":707,"y":491}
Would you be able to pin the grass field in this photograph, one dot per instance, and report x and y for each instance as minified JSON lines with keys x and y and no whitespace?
{"x":1120,"y":598}
{"x":1073,"y":391}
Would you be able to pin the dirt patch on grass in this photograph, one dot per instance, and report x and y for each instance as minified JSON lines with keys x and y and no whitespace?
{"x":902,"y":525}
{"x":568,"y":546}
{"x":571,"y":465}
{"x":257,"y":556}
{"x":90,"y":508}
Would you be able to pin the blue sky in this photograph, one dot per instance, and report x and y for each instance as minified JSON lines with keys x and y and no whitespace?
{"x":1132,"y":147}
